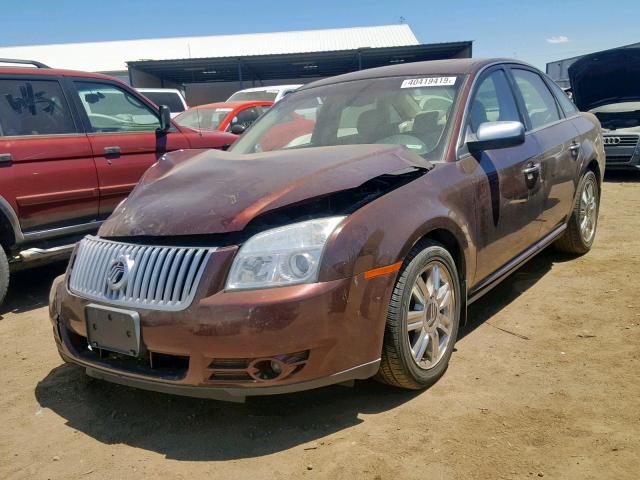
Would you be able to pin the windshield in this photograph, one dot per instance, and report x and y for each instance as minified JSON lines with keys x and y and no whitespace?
{"x":170,"y":99}
{"x":258,"y":96}
{"x":203,"y":118}
{"x":413,"y":112}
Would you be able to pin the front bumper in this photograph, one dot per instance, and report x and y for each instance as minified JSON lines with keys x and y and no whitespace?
{"x":234,"y":394}
{"x":323,"y":333}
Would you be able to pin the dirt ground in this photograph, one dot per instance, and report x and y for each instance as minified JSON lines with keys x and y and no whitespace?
{"x":545,"y":382}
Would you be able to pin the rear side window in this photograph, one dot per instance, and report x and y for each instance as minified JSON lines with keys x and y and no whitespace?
{"x":33,"y":107}
{"x":538,"y":100}
{"x":111,"y":109}
{"x":564,"y":101}
{"x":493,"y":101}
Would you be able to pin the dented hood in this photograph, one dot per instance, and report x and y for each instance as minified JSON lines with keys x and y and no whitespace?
{"x":611,"y":76}
{"x":194,"y":192}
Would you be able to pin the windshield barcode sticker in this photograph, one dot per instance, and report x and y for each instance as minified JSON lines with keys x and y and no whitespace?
{"x":428,"y":82}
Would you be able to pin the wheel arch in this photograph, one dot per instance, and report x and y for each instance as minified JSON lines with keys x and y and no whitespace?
{"x":594,"y":166}
{"x":455,"y":241}
{"x":453,"y":245}
{"x":591,"y":165}
{"x":10,"y":232}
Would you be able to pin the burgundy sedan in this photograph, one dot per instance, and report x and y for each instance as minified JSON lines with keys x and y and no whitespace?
{"x":350,"y":251}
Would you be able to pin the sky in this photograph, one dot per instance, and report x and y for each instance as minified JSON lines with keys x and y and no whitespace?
{"x":534,"y":31}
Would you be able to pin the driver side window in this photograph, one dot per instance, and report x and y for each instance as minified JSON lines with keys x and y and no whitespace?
{"x":111,"y":109}
{"x":492,"y":102}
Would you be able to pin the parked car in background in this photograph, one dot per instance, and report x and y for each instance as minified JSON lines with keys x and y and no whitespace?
{"x":352,"y":251}
{"x":170,"y":97}
{"x":226,"y":117}
{"x":72,"y":146}
{"x":294,"y":130}
{"x":608,"y":85}
{"x":270,"y":94}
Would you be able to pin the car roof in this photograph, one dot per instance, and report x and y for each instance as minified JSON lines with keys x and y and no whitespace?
{"x":234,"y":105}
{"x":48,"y":72}
{"x":458,"y":66}
{"x":270,"y":87}
{"x":162,"y":90}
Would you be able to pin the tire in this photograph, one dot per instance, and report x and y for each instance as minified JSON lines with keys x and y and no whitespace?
{"x":399,"y":366}
{"x":4,"y":274}
{"x":576,"y":239}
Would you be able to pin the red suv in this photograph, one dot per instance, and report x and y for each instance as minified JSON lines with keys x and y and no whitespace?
{"x":72,"y":146}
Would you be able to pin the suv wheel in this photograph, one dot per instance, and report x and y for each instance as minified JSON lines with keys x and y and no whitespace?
{"x":581,"y":227}
{"x":4,"y":274}
{"x":423,"y":318}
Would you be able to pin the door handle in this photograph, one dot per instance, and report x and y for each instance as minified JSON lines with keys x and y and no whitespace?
{"x":575,"y":149}
{"x":5,"y":158}
{"x":112,"y":150}
{"x":531,"y":174}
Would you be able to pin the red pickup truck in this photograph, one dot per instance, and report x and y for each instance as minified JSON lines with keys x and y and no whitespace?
{"x":72,"y":146}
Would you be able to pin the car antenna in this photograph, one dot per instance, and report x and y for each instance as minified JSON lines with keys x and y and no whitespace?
{"x":199,"y":124}
{"x":193,"y":79}
{"x":197,"y":110}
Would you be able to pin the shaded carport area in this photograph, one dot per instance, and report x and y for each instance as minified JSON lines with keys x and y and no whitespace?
{"x":215,"y":78}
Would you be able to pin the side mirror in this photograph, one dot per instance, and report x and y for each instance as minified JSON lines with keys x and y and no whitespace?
{"x":237,"y":129}
{"x":165,"y":118}
{"x":495,"y":135}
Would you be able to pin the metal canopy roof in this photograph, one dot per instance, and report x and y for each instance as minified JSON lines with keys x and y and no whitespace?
{"x":112,"y":56}
{"x":295,"y":65}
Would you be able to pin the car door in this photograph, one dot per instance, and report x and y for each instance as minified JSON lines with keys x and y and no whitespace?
{"x":584,"y":129}
{"x":47,"y":173}
{"x":558,"y":141}
{"x":508,"y":194}
{"x":123,"y":130}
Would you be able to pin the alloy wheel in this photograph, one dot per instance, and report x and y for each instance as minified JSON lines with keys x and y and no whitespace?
{"x":430,"y":315}
{"x":588,"y":211}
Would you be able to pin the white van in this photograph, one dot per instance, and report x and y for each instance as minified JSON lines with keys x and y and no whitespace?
{"x":269,"y":94}
{"x":170,"y":97}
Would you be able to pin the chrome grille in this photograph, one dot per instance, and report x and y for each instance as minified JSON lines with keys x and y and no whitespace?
{"x":620,"y":140}
{"x":157,"y":277}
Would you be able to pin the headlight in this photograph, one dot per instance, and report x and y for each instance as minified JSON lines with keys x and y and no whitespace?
{"x":282,"y":256}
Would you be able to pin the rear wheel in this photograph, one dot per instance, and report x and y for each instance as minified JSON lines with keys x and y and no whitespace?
{"x":581,"y":227}
{"x":423,"y":318}
{"x":4,"y":274}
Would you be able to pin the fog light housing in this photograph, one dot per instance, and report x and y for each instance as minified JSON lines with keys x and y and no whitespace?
{"x":264,"y":369}
{"x":276,"y":367}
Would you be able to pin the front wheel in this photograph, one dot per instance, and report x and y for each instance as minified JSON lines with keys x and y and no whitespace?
{"x":581,"y":227}
{"x":423,"y":318}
